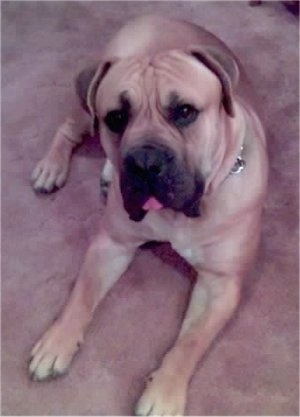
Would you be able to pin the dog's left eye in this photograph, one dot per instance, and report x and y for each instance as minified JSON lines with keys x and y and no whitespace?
{"x":183,"y":114}
{"x":116,"y":120}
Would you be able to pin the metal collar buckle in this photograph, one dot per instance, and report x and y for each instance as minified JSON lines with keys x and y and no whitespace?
{"x":239,"y":164}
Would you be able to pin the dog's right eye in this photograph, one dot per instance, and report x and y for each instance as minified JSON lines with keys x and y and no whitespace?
{"x":117,"y":120}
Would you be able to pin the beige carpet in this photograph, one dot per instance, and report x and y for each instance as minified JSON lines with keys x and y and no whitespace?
{"x":253,"y":367}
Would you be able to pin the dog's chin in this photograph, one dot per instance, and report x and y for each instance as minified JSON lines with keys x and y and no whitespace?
{"x":137,"y":208}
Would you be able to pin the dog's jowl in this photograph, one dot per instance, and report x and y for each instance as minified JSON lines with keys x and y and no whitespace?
{"x":186,"y":163}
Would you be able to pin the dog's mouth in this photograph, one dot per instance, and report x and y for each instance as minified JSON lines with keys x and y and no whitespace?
{"x":153,"y":179}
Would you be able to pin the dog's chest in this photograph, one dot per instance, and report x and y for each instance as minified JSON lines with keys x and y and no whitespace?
{"x":180,"y":233}
{"x":188,"y":253}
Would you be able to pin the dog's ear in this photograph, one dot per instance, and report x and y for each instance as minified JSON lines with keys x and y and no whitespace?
{"x":82,"y":83}
{"x":86,"y":84}
{"x":225,"y":67}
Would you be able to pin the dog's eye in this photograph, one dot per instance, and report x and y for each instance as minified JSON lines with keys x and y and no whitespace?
{"x":116,"y":120}
{"x":183,"y":114}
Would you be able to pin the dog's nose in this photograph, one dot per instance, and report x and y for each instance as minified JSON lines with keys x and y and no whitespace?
{"x":151,"y":159}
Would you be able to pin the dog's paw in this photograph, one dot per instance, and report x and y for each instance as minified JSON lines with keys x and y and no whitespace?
{"x":164,"y":395}
{"x":53,"y":353}
{"x":50,"y":173}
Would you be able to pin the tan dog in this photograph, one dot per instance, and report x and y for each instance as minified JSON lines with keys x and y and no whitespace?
{"x":188,"y":165}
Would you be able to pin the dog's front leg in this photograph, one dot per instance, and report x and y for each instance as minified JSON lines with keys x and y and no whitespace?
{"x":212,"y":303}
{"x":105,"y":261}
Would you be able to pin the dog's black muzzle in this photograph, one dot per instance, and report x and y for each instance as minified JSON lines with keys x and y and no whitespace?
{"x":154,"y":170}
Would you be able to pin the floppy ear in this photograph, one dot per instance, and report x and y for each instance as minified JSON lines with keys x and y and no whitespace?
{"x":225,"y":67}
{"x":86,"y":84}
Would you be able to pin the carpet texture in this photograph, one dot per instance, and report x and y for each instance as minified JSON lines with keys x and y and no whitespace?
{"x":253,"y":367}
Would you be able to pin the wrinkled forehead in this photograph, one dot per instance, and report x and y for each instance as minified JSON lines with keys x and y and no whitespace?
{"x":160,"y":79}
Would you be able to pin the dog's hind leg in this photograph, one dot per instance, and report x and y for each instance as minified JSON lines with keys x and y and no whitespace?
{"x":52,"y":171}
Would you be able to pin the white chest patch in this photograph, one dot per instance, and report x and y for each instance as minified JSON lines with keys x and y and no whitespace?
{"x":187,"y":253}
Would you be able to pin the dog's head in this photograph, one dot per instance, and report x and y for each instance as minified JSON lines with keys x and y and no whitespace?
{"x":162,"y":121}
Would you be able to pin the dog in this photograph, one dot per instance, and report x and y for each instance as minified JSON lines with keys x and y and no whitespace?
{"x":186,"y":163}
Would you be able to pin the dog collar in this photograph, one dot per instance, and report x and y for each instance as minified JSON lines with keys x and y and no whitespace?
{"x":239,"y":164}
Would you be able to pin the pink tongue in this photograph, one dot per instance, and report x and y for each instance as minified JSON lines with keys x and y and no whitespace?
{"x":152,"y":204}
